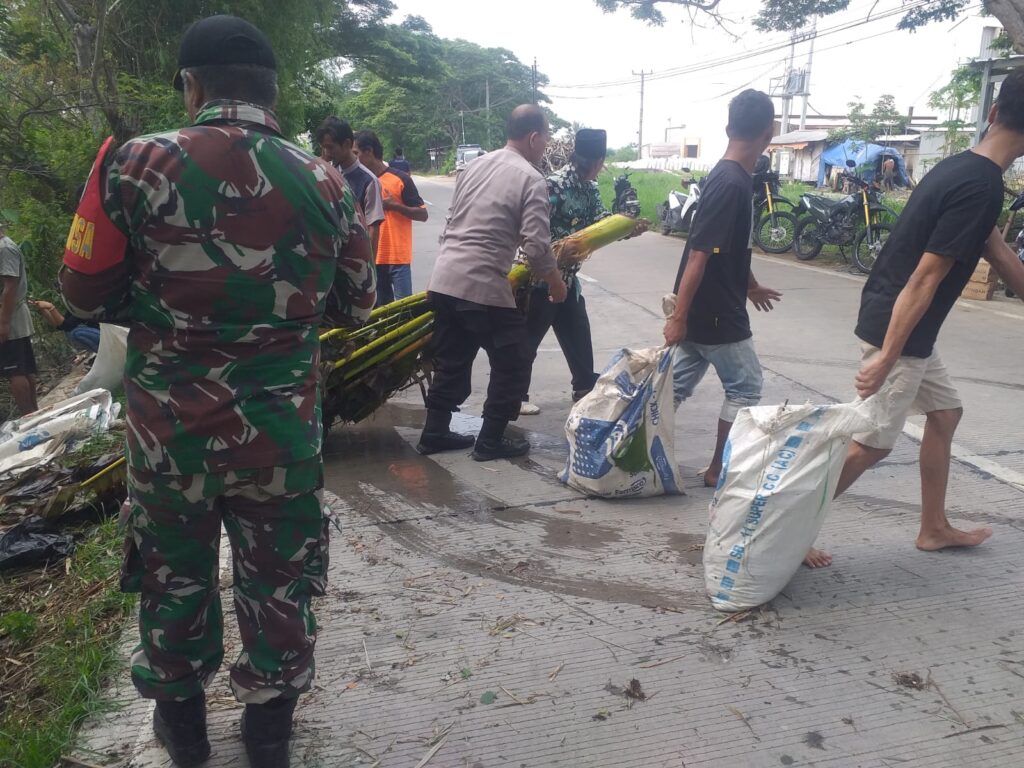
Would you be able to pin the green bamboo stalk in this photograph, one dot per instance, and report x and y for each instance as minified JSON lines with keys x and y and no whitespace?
{"x":387,"y":338}
{"x":353,"y":379}
{"x":380,"y":313}
{"x":387,"y":352}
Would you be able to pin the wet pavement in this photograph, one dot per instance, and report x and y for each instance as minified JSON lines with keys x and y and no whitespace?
{"x":483,"y":615}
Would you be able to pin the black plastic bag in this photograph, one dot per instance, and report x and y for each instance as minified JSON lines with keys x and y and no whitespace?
{"x":33,"y":542}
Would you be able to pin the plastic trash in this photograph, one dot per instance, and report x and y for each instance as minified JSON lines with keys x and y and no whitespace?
{"x":622,"y":435}
{"x":32,"y":542}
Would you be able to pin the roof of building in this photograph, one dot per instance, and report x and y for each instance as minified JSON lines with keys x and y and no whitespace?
{"x":799,"y":139}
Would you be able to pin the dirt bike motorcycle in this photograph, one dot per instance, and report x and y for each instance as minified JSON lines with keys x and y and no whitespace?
{"x":774,"y":221}
{"x":859,"y":221}
{"x":1018,"y":243}
{"x":676,"y":214}
{"x":626,"y":200}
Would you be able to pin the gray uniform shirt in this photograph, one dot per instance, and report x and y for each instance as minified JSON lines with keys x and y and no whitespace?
{"x":500,"y":205}
{"x":12,"y":264}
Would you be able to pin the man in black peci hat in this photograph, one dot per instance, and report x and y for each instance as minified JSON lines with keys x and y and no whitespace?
{"x":575,"y":205}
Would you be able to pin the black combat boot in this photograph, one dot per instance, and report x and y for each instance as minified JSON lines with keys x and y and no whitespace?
{"x":181,"y":728}
{"x":266,"y":731}
{"x":437,"y":436}
{"x":492,"y":443}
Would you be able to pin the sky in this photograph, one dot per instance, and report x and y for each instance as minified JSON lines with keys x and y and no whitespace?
{"x":590,"y":58}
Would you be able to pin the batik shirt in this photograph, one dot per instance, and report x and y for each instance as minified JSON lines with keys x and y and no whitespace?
{"x":235,"y":239}
{"x":575,"y":205}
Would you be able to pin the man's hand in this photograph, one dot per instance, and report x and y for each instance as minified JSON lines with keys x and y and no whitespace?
{"x":41,"y":305}
{"x":557,"y":291}
{"x":675,"y":329}
{"x":641,"y":226}
{"x":872,"y":375}
{"x":388,"y":202}
{"x":762,"y":297}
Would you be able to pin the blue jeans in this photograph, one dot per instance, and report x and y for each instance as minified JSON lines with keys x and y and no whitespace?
{"x":394,"y":282}
{"x":85,"y":337}
{"x":737,"y":367}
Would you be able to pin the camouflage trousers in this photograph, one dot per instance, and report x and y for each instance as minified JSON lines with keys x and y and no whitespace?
{"x":278,"y":533}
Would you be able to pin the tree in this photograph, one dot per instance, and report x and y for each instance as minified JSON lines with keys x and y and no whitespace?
{"x":883,"y":120}
{"x":433,"y":112}
{"x":957,"y":97}
{"x":623,"y":154}
{"x":75,"y":71}
{"x":776,"y":15}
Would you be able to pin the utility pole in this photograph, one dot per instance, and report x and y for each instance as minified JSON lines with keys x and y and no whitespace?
{"x":807,"y":77}
{"x":487,"y":106}
{"x":462,"y":117}
{"x":534,"y":79}
{"x":640,"y":133}
{"x":787,"y":94}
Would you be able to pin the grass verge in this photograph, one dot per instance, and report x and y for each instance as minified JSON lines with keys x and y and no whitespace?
{"x":59,"y":635}
{"x":652,"y":188}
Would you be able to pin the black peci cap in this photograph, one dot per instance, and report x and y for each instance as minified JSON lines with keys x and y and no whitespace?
{"x":591,"y":143}
{"x":223,"y":40}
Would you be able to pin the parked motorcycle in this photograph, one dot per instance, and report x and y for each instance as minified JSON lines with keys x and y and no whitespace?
{"x":676,"y":214}
{"x":626,"y":200}
{"x":1018,"y":244}
{"x":774,"y":222}
{"x":857,"y":220}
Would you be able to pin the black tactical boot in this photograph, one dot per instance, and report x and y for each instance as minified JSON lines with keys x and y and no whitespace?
{"x":266,"y":731}
{"x":437,"y":436}
{"x":181,"y":728}
{"x":492,"y":443}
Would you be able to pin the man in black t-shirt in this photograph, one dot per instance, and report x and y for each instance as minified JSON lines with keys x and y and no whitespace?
{"x":709,"y":323}
{"x":947,"y":226}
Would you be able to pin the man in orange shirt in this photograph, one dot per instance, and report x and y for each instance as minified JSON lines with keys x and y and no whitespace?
{"x":402,"y":206}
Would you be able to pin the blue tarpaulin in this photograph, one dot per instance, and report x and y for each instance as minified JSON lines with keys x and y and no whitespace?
{"x":868,"y":158}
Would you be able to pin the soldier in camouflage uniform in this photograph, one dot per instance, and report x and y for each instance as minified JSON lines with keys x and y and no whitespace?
{"x":575,"y":205}
{"x":218,"y":245}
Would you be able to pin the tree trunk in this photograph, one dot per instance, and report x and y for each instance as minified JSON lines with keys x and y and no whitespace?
{"x":1010,"y":14}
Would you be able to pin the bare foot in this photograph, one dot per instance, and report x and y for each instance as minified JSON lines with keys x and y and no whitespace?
{"x":951,"y":537}
{"x":817,"y":558}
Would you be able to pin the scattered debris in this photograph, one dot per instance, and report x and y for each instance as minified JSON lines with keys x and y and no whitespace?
{"x":975,"y":730}
{"x":661,"y":663}
{"x":366,"y":653}
{"x":433,"y":751}
{"x":489,"y":697}
{"x":504,"y":624}
{"x":553,"y":675}
{"x":909,"y":680}
{"x":602,"y":715}
{"x":743,"y":719}
{"x":520,"y":702}
{"x":634,"y":691}
{"x":466,"y":673}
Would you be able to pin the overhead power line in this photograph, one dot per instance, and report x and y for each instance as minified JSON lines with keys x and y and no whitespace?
{"x":743,"y":55}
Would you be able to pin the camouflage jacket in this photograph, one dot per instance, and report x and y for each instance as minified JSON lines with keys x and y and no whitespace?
{"x":575,"y":205}
{"x":235,"y":240}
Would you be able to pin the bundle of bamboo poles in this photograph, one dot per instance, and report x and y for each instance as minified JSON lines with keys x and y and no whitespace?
{"x":362,"y":367}
{"x":576,"y":248}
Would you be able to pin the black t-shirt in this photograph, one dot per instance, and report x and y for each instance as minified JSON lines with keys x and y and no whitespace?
{"x":722,"y":228}
{"x":951,"y":213}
